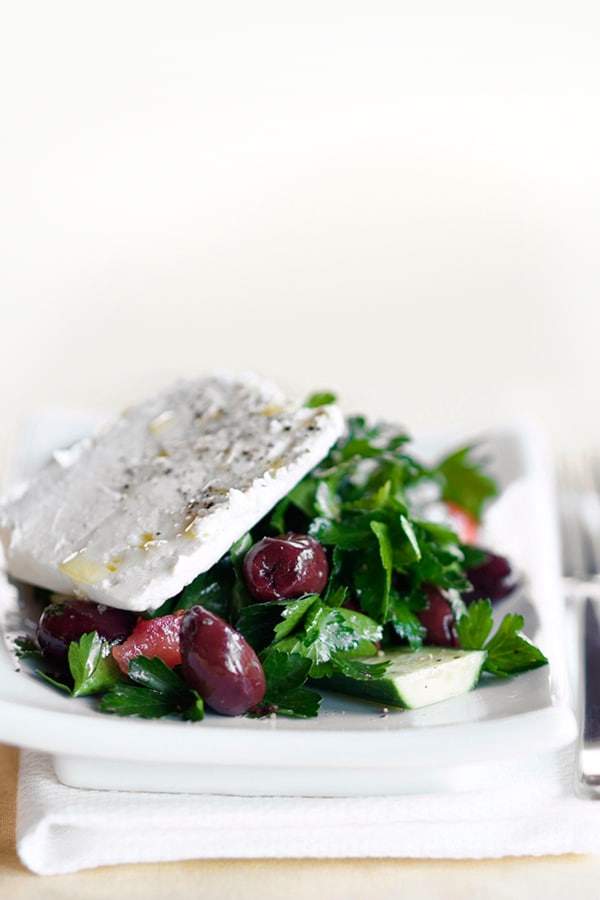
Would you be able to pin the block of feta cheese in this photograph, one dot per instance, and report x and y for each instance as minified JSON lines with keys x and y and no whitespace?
{"x":131,"y":515}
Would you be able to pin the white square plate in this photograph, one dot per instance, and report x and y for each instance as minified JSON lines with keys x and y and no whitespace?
{"x":351,"y":748}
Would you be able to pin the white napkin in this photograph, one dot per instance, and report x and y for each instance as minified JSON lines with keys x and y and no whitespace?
{"x":529,"y":809}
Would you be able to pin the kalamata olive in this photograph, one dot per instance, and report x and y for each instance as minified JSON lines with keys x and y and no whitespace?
{"x":220,"y":664}
{"x":492,"y":579}
{"x":438,"y":620}
{"x":66,"y":621}
{"x":285,"y":566}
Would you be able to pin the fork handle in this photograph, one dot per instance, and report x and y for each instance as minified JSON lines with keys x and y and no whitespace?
{"x":589,"y":698}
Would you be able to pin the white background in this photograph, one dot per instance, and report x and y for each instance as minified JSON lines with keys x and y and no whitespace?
{"x":399,"y":201}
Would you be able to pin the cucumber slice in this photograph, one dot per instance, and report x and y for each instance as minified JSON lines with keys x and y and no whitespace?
{"x":416,"y":678}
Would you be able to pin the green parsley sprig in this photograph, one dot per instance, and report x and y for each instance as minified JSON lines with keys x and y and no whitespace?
{"x":509,"y":651}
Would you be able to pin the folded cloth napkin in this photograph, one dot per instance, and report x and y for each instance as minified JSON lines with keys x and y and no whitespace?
{"x":528,"y":808}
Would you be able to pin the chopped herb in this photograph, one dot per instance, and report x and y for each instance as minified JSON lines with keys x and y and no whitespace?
{"x":325,"y":398}
{"x":509,"y":652}
{"x":26,"y":648}
{"x":464,"y":483}
{"x":158,"y":691}
{"x":286,"y":674}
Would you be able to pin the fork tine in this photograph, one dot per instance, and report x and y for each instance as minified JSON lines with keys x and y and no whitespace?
{"x":573,"y":555}
{"x":579,"y":481}
{"x":590,"y":512}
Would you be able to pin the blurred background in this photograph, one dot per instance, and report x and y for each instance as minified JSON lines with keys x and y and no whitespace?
{"x":397,"y":201}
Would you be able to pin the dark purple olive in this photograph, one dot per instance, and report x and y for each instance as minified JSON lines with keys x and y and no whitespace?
{"x":492,"y":579}
{"x":66,"y":621}
{"x":286,"y":566}
{"x":438,"y":620}
{"x":220,"y":664}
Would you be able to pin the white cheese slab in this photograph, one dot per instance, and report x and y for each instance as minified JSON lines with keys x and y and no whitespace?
{"x":133,"y":514}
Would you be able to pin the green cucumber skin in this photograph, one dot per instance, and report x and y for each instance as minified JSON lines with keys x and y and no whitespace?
{"x":390,"y":689}
{"x":381,"y":690}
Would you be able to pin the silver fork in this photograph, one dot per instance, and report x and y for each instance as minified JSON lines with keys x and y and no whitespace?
{"x":579,"y":506}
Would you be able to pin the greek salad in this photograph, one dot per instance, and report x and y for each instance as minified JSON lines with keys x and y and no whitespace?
{"x":367,"y":578}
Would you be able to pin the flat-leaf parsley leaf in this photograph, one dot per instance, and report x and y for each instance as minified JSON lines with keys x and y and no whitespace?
{"x":509,"y":652}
